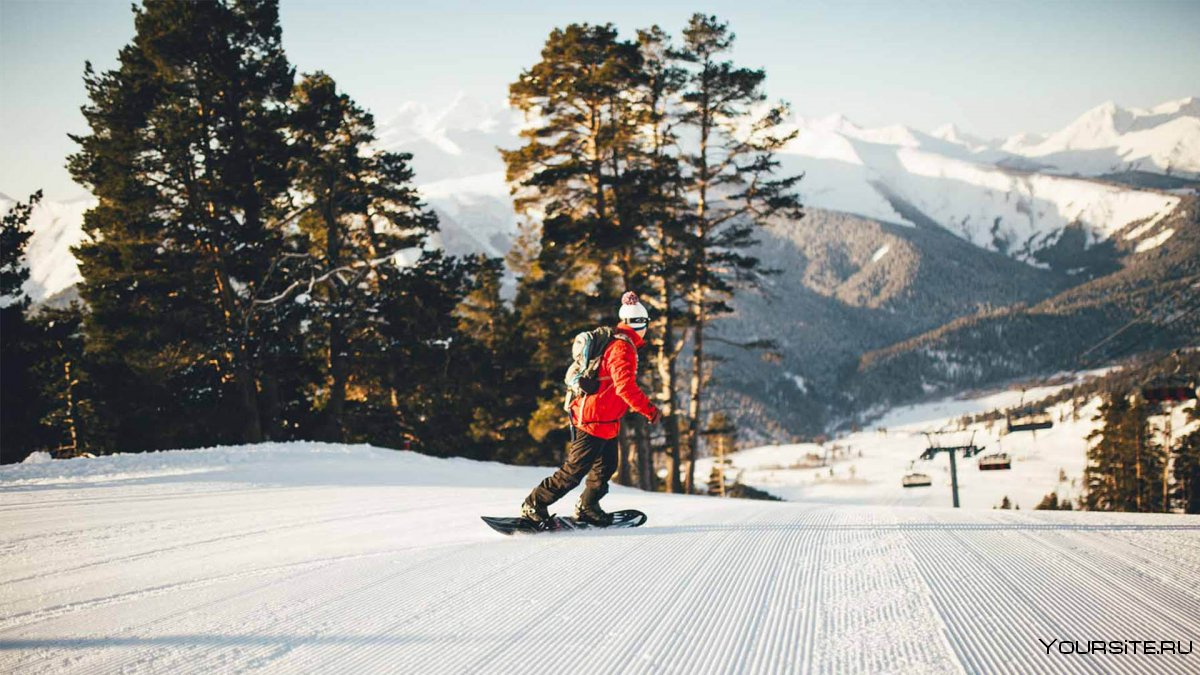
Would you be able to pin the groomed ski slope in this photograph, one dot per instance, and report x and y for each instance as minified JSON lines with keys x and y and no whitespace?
{"x":326,"y":558}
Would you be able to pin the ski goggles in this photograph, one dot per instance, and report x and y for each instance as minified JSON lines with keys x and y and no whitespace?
{"x":638,"y":321}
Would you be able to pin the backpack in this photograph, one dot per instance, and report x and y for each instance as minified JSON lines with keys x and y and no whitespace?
{"x":586,"y":350}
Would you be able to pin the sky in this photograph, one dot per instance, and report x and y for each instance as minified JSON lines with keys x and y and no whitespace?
{"x":992,"y":68}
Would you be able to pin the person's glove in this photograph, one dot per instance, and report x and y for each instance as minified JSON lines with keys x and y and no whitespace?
{"x":655,"y":417}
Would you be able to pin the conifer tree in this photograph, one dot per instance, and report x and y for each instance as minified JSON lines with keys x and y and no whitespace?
{"x":662,"y":211}
{"x":20,"y":405}
{"x":578,"y":147}
{"x":360,"y":210}
{"x":1124,"y":461}
{"x":188,"y":158}
{"x":69,"y":415}
{"x":730,"y":184}
{"x":571,"y":175}
{"x":502,"y":385}
{"x":424,"y":361}
{"x":1186,"y":469}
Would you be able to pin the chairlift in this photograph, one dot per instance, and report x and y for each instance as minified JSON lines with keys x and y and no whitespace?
{"x":1029,"y":420}
{"x":916,"y":479}
{"x":1167,"y":392}
{"x":968,"y":450}
{"x":1175,"y":387}
{"x":996,"y":461}
{"x":1028,"y":417}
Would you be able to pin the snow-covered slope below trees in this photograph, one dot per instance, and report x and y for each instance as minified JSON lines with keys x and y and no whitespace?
{"x":299,"y":557}
{"x":866,"y":467}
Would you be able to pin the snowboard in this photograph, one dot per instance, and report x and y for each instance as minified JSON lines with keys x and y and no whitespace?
{"x":621,"y":520}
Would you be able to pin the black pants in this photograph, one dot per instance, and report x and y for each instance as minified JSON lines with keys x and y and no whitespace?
{"x":595,"y":457}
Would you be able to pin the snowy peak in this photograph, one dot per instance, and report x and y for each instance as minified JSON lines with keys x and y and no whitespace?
{"x":56,"y":227}
{"x":1189,"y":106}
{"x":1112,"y":139}
{"x":1099,"y":127}
{"x":950,"y":133}
{"x":1018,"y":142}
{"x":1015,"y":197}
{"x":414,"y":119}
{"x":450,"y":142}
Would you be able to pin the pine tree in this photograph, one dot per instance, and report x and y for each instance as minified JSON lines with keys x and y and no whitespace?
{"x":662,"y":210}
{"x":1186,"y":469}
{"x":549,"y":310}
{"x":571,"y":173}
{"x":730,"y":184}
{"x":502,"y":387}
{"x":69,"y":415}
{"x":1124,"y":461}
{"x":1105,"y":471}
{"x":359,"y":210}
{"x":572,"y":166}
{"x":20,"y":345}
{"x":425,"y":363}
{"x":188,"y":158}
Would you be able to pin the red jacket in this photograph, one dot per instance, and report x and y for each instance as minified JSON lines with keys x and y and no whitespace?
{"x":600,"y":414}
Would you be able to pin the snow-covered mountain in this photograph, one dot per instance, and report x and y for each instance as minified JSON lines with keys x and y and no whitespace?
{"x":1013,"y":196}
{"x":56,"y":227}
{"x":458,"y":166}
{"x":949,"y":179}
{"x":1110,"y":139}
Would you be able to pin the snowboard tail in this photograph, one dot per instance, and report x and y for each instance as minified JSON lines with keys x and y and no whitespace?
{"x":621,"y":520}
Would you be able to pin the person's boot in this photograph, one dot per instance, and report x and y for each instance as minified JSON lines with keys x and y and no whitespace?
{"x":589,"y":511}
{"x":535,"y":512}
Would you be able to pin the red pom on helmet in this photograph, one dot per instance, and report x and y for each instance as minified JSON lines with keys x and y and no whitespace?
{"x":630,"y":298}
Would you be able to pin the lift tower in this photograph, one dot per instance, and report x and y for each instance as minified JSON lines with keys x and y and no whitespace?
{"x":968,"y":450}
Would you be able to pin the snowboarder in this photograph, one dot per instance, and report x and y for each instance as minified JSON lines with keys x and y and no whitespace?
{"x":595,"y":417}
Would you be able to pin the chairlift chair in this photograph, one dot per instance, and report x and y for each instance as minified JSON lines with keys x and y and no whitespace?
{"x":916,"y":479}
{"x":1169,"y":393}
{"x":1029,"y":421}
{"x":1176,"y":387}
{"x":996,"y":461}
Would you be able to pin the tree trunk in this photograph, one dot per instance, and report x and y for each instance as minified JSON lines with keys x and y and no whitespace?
{"x":624,"y":450}
{"x":272,"y":407}
{"x":698,"y":295}
{"x":247,"y":391}
{"x":338,"y":377}
{"x":338,"y":366}
{"x":667,"y":357}
{"x":71,"y":430}
{"x":645,"y":459}
{"x":696,"y":392}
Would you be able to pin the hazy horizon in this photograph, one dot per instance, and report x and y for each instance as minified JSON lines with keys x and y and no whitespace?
{"x":993,"y":70}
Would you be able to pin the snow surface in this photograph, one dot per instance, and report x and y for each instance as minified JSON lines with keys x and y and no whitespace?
{"x":309,"y":557}
{"x":1154,"y":242}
